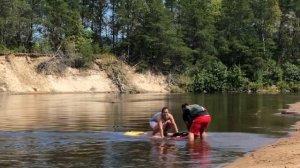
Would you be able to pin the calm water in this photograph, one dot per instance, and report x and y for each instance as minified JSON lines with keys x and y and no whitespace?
{"x":86,"y":130}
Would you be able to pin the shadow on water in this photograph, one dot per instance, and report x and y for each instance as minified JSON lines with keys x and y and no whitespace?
{"x":87,"y":130}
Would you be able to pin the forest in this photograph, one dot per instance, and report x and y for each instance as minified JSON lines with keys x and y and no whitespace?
{"x":200,"y":45}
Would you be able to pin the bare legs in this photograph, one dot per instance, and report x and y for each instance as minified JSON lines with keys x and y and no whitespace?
{"x":192,"y":136}
{"x":166,"y":126}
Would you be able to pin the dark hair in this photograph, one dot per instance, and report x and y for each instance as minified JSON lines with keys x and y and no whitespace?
{"x":184,"y":105}
{"x":163,"y":109}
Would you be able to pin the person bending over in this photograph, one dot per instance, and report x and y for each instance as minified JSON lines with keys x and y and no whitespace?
{"x":196,"y":118}
{"x":162,"y":121}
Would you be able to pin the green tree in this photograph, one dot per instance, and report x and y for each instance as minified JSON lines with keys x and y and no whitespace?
{"x":209,"y":77}
{"x":238,"y":42}
{"x":236,"y":79}
{"x":156,"y":43}
{"x":62,"y":20}
{"x":289,"y":32}
{"x":291,"y":73}
{"x":236,"y":33}
{"x":92,"y":14}
{"x":196,"y":26}
{"x":130,"y":14}
{"x":172,"y":5}
{"x":15,"y":24}
{"x":272,"y":74}
{"x":267,"y":15}
{"x":6,"y":8}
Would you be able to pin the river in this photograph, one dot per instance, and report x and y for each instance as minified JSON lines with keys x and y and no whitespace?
{"x":87,"y":130}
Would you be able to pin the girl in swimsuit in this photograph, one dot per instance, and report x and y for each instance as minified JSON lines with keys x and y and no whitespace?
{"x":162,"y":121}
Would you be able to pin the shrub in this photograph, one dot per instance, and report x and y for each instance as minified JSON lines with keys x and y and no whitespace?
{"x":291,"y":73}
{"x":236,"y":79}
{"x":85,"y":49}
{"x":176,"y":89}
{"x":42,"y":46}
{"x":202,"y":82}
{"x":184,"y":82}
{"x":209,"y":77}
{"x":3,"y":49}
{"x":271,"y":73}
{"x":295,"y":87}
{"x":283,"y":86}
{"x":255,"y":86}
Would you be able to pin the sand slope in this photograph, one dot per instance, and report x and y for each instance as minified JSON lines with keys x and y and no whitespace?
{"x":19,"y":75}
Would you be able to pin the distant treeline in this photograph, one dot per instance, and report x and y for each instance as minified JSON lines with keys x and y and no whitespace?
{"x":202,"y":45}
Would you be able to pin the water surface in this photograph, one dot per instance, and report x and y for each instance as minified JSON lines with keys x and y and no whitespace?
{"x":86,"y":130}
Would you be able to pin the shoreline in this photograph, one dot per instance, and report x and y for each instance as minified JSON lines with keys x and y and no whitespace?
{"x":284,"y":153}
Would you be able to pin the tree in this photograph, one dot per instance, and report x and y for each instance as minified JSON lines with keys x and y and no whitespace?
{"x":15,"y":24}
{"x":289,"y":32}
{"x":209,"y":77}
{"x":267,"y":15}
{"x":236,"y":79}
{"x":197,"y":27}
{"x":238,"y":42}
{"x":172,"y":5}
{"x":156,"y":43}
{"x":5,"y":13}
{"x":272,"y":74}
{"x":291,"y":73}
{"x":93,"y":17}
{"x":62,"y":20}
{"x":130,"y":14}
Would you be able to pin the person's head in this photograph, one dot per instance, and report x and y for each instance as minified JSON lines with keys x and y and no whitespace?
{"x":165,"y":112}
{"x":184,"y":106}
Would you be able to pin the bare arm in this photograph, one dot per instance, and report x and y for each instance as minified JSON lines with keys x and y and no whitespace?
{"x":174,"y":123}
{"x":160,"y":126}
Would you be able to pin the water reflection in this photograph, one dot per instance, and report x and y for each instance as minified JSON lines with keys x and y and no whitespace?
{"x":76,"y":112}
{"x":200,"y":153}
{"x":171,"y":154}
{"x":164,"y":153}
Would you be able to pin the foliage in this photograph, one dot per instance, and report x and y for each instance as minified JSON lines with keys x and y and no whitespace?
{"x":210,"y":77}
{"x":272,"y":74}
{"x":291,"y":73}
{"x":42,"y":46}
{"x":295,"y":87}
{"x":209,"y":45}
{"x":3,"y":49}
{"x":236,"y":79}
{"x":63,"y":21}
{"x":85,"y":48}
{"x":255,"y":86}
{"x":183,"y":81}
{"x":197,"y":28}
{"x":176,"y":89}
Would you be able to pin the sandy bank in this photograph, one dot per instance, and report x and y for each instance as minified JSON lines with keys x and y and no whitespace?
{"x":284,"y":153}
{"x":18,"y":74}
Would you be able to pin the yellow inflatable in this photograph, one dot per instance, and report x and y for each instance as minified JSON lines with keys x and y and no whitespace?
{"x":133,"y":133}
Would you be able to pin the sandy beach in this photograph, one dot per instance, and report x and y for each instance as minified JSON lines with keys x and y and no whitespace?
{"x":284,"y":153}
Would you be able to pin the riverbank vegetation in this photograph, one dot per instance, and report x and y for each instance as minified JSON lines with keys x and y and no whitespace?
{"x":201,"y":46}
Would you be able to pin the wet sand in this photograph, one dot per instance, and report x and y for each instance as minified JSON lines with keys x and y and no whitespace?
{"x":284,"y":153}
